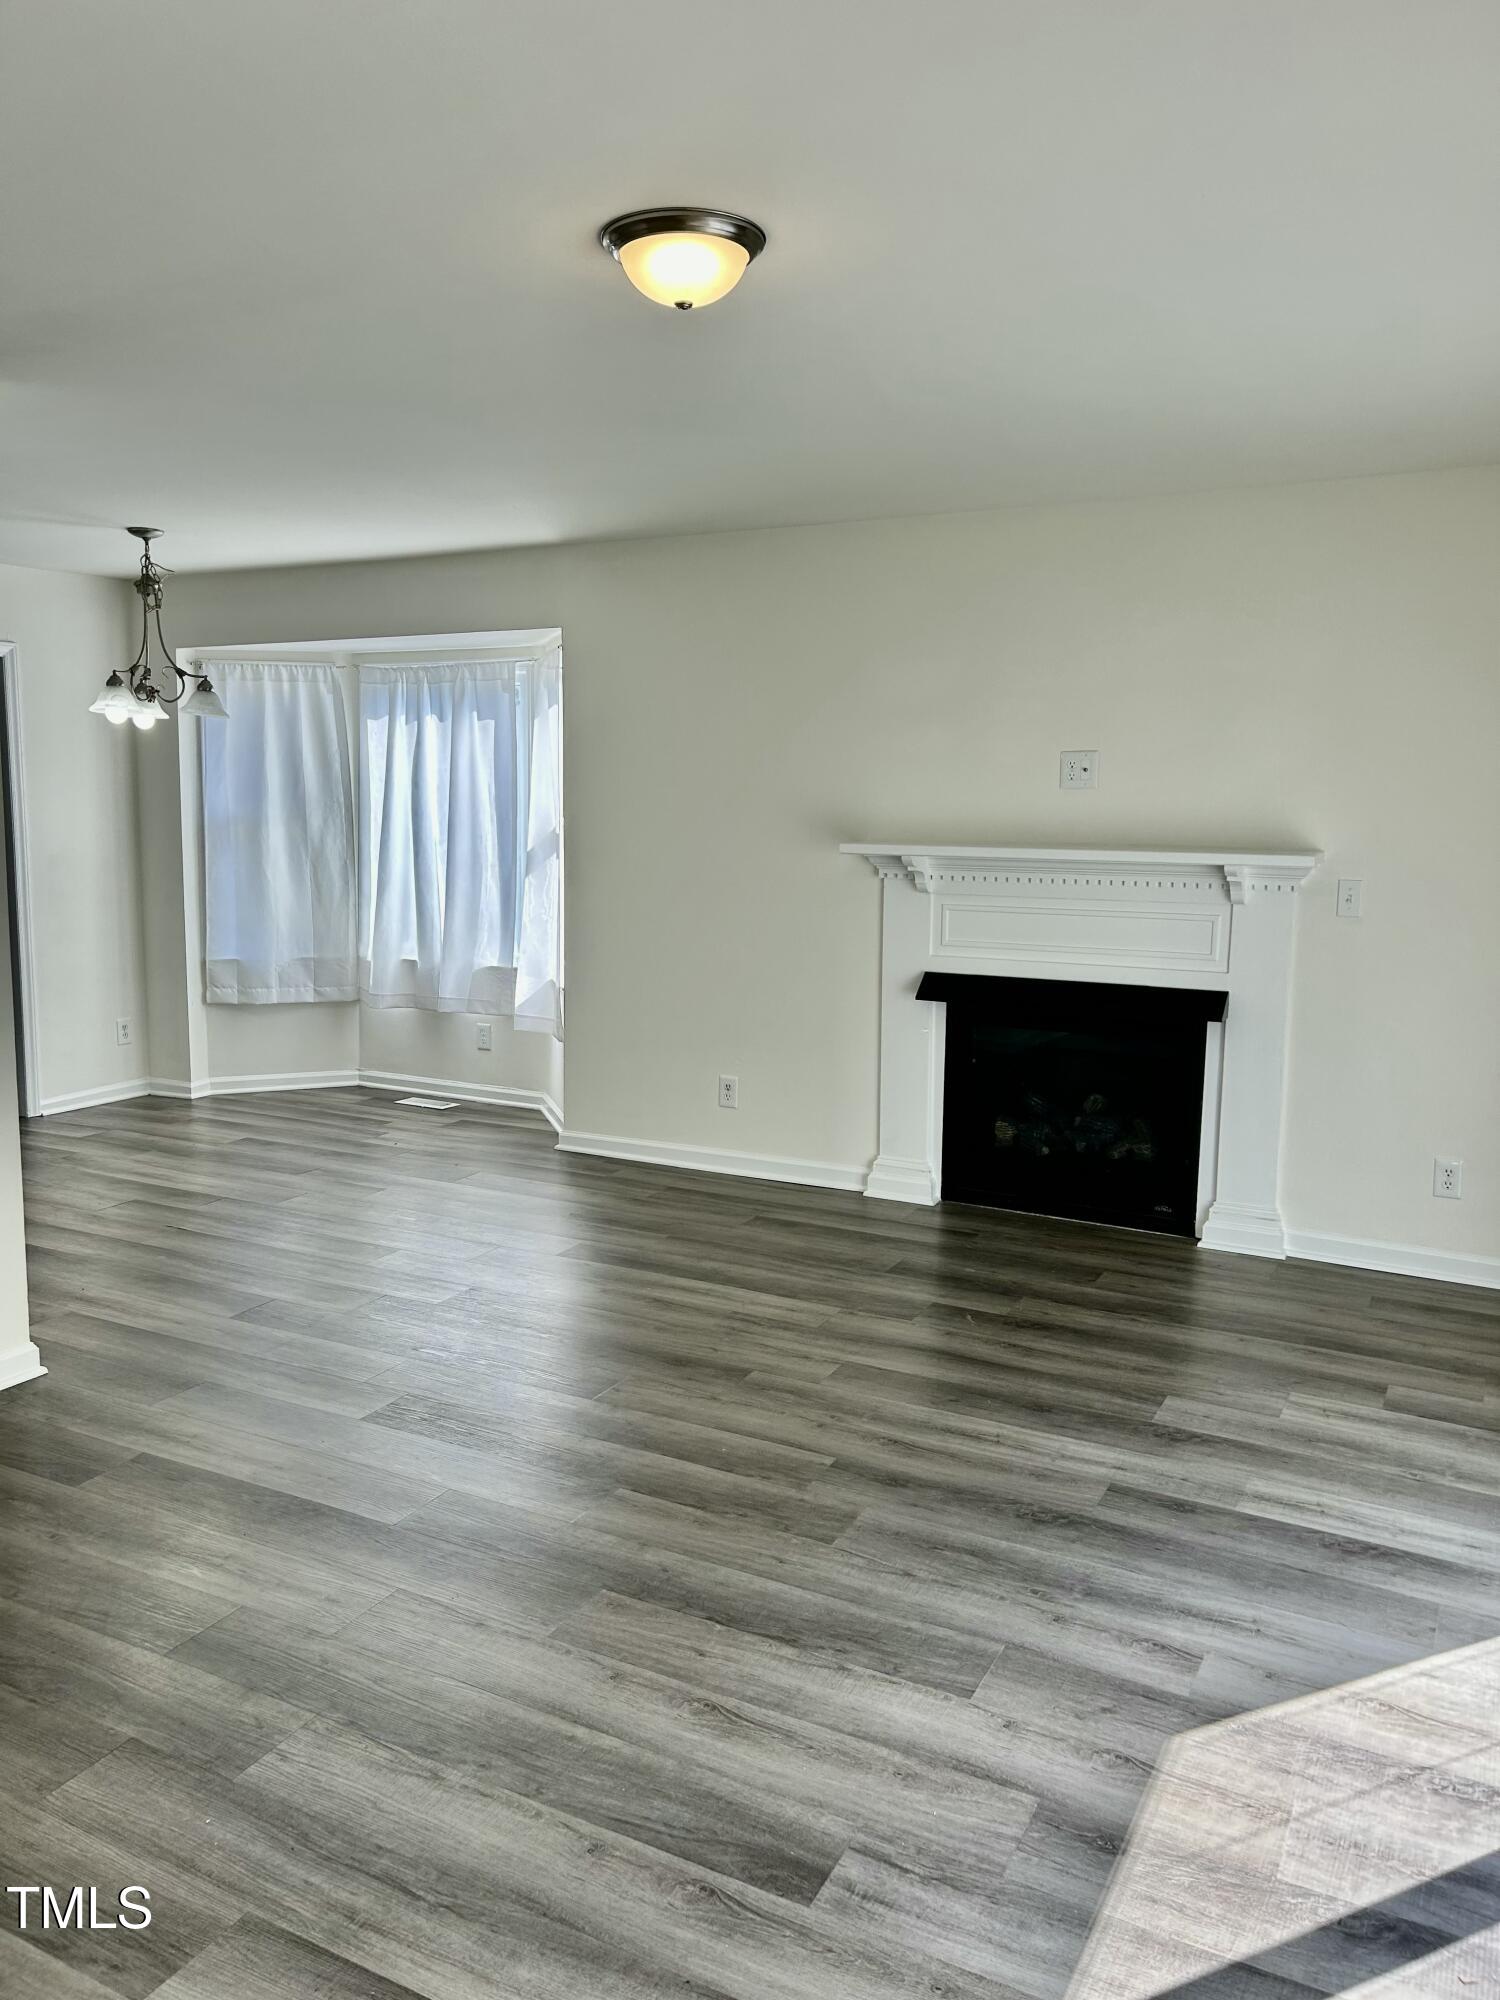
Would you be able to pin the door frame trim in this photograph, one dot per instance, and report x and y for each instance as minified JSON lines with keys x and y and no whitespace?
{"x":20,"y":868}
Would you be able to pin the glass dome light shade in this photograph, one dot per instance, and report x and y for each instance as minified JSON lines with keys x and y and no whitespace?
{"x":116,"y":703}
{"x":683,"y":268}
{"x":205,"y":701}
{"x":683,"y":257}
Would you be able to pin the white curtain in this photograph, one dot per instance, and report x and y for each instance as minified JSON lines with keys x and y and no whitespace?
{"x":460,"y":829}
{"x":278,"y":837}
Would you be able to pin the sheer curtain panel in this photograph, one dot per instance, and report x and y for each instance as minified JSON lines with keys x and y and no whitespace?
{"x":278,"y":837}
{"x":460,"y":880}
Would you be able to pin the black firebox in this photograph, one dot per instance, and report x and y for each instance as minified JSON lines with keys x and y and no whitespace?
{"x":1077,"y":1099}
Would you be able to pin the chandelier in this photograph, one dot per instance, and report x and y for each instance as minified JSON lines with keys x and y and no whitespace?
{"x":132,"y":695}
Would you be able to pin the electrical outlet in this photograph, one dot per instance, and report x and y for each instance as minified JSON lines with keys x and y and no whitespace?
{"x":729,"y":1093}
{"x":1448,"y":1179}
{"x":484,"y":1036}
{"x":1078,"y":770}
{"x":123,"y":1033}
{"x":1348,"y":897}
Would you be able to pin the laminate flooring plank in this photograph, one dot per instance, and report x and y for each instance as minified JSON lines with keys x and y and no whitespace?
{"x":1023,"y":1744}
{"x":1456,"y":1409}
{"x":42,"y":1843}
{"x":42,"y":1745}
{"x":581,"y":1756}
{"x":886,"y":1635}
{"x":28,"y":1972}
{"x":958,"y":1599}
{"x":494,"y":1575}
{"x":54,"y":1449}
{"x":1340,"y":1437}
{"x":309,"y":1468}
{"x":149,"y":1547}
{"x":404,"y":1455}
{"x":879,"y":1449}
{"x":57,"y":1284}
{"x":228,"y":1337}
{"x":1145,"y":1613}
{"x":1208,"y":1535}
{"x":258,"y":1961}
{"x":329,"y":1273}
{"x":955,"y":1822}
{"x":57,"y":1575}
{"x":164,"y":1313}
{"x":593,"y":1435}
{"x":134,"y":1689}
{"x":1224,"y":1584}
{"x":186,"y":1363}
{"x":899,"y":1906}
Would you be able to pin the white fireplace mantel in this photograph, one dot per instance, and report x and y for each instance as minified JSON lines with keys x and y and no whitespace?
{"x":1222,"y":920}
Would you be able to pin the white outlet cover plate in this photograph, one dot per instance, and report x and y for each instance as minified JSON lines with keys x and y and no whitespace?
{"x":1078,"y":770}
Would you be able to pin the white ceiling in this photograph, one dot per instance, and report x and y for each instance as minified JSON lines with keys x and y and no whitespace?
{"x":303,"y":279}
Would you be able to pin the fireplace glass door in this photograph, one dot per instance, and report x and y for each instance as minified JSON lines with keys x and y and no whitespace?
{"x":1080,"y":1100}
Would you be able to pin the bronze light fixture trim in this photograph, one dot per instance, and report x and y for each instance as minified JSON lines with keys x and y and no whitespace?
{"x":132,"y":695}
{"x":683,"y":257}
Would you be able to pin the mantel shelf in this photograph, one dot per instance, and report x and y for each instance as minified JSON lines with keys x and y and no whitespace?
{"x":1142,"y":857}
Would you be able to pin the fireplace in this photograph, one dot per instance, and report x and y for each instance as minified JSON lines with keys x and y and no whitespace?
{"x":1085,"y":1101}
{"x":1208,"y":924}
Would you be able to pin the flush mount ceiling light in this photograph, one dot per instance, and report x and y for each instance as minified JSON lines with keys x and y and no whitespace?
{"x":132,"y":695}
{"x":683,"y":257}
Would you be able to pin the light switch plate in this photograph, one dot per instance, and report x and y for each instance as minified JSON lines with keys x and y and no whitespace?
{"x":1350,"y":892}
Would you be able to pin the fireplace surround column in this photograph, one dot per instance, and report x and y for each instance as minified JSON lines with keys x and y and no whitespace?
{"x":911,"y":1052}
{"x":1246,"y":1213}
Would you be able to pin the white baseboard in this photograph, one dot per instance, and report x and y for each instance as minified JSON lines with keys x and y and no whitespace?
{"x":109,"y":1093}
{"x":216,"y":1086}
{"x":1248,"y":1232}
{"x":175,"y":1086}
{"x":711,"y":1160}
{"x":20,"y":1364}
{"x":1406,"y":1260}
{"x":304,"y":1079}
{"x":468,"y":1093}
{"x":892,"y":1179}
{"x":330,"y":1079}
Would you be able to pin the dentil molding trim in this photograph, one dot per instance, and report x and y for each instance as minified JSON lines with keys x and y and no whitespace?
{"x":1219,"y":919}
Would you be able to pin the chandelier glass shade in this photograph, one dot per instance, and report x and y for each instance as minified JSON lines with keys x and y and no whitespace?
{"x":130,"y":694}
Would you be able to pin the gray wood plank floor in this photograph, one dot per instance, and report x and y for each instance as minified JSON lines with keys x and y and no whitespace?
{"x":439,"y":1565}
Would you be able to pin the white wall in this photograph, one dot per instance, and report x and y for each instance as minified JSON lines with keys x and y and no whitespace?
{"x":88,"y":951}
{"x":1288,"y":667}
